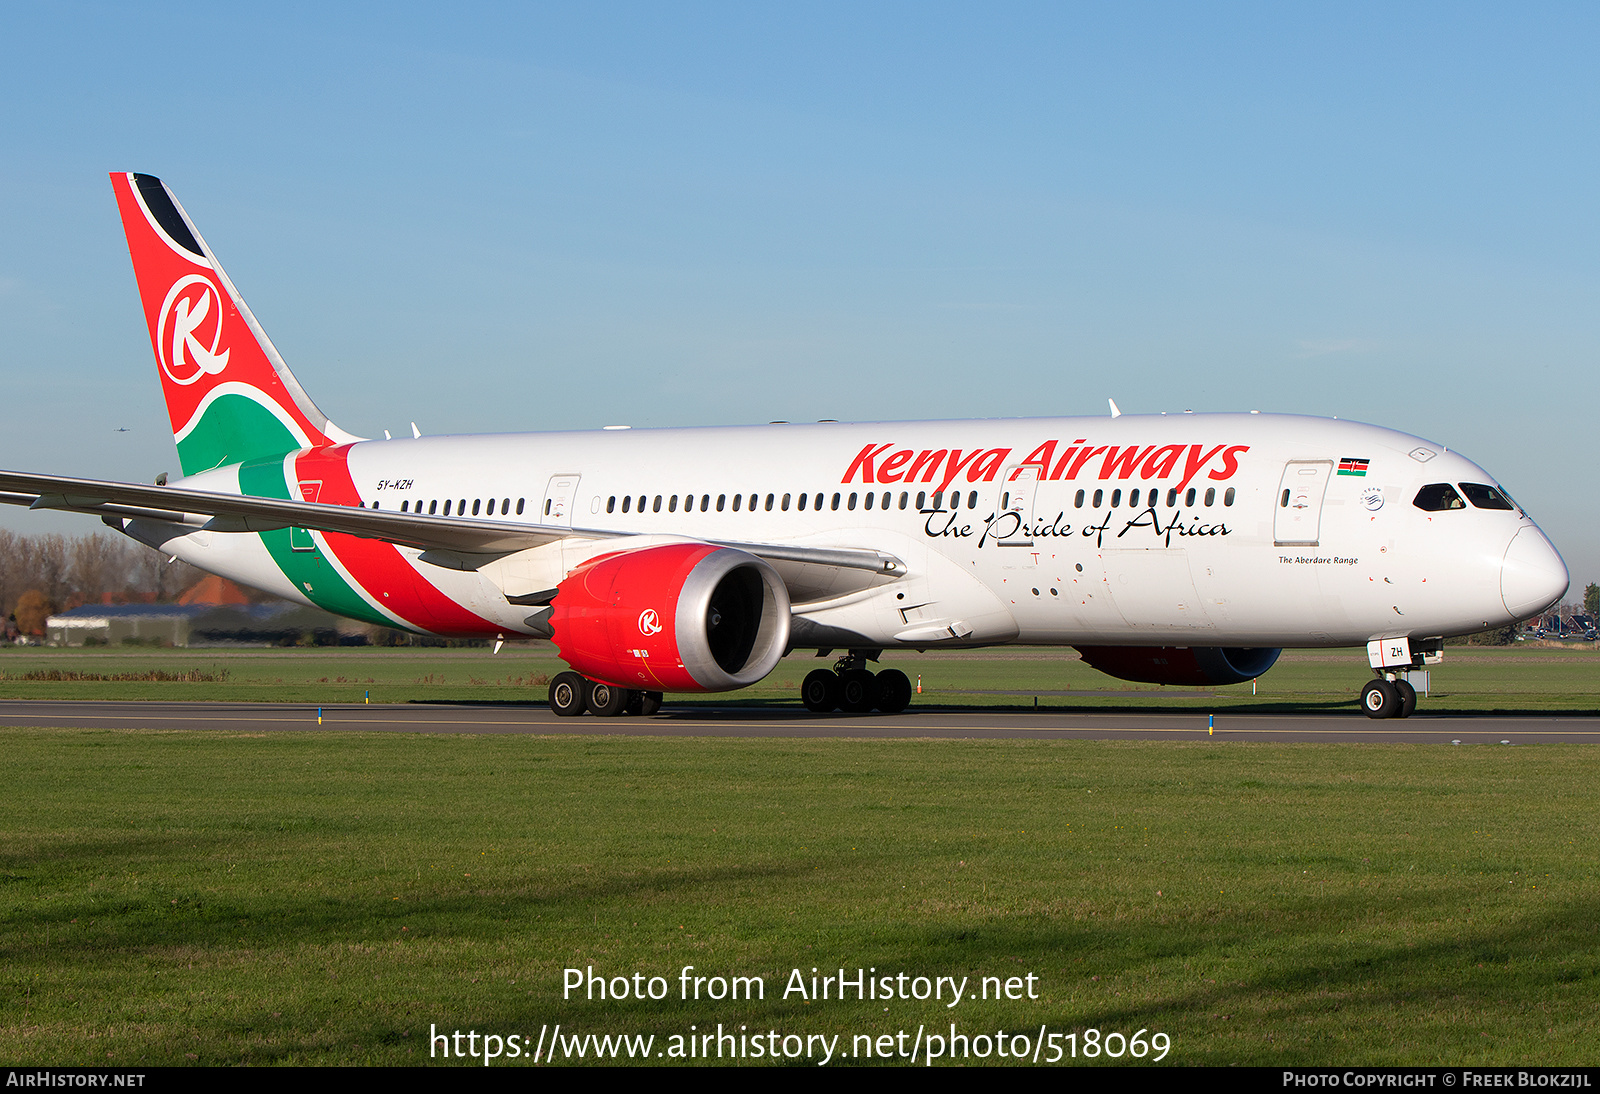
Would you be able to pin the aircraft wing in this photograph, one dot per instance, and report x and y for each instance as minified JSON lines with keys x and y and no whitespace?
{"x":447,"y":536}
{"x":203,"y":509}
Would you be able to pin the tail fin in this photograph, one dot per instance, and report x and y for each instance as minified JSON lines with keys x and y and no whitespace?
{"x":229,"y":395}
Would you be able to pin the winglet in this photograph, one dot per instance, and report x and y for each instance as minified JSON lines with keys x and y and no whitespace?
{"x":1115,"y":413}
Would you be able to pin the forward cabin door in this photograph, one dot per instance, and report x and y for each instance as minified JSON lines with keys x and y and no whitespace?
{"x":1297,"y":514}
{"x":558,"y":499}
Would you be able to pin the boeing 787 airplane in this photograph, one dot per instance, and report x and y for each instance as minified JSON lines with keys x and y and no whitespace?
{"x":1184,"y":549}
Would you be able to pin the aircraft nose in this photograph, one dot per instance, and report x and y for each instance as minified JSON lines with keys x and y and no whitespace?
{"x":1532,"y":577}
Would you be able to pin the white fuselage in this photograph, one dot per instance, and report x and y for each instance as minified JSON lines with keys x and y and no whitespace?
{"x":1183,"y":530}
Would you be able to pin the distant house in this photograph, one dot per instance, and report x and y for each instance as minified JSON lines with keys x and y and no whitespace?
{"x":213,"y":589}
{"x":276,"y":624}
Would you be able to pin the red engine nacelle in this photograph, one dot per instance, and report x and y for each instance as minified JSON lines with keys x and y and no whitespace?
{"x":679,"y":617}
{"x":1201,"y":665}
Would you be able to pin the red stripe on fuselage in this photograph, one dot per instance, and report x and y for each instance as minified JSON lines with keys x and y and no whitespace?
{"x":379,"y":568}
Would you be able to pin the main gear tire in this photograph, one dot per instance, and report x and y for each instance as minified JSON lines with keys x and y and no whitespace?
{"x":894,"y":691}
{"x":608,"y":701}
{"x":858,"y":691}
{"x":820,"y":691}
{"x":569,"y":695}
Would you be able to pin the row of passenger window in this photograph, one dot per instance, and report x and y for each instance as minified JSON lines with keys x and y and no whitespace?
{"x":886,"y":500}
{"x":479,"y":506}
{"x":818,"y":502}
{"x":799,"y":502}
{"x":1153,"y":497}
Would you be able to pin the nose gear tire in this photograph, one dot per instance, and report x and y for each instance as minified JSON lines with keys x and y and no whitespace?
{"x":1380,"y":699}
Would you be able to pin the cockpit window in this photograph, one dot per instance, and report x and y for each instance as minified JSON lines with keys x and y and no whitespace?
{"x":1485,"y":497}
{"x":1438,"y":496}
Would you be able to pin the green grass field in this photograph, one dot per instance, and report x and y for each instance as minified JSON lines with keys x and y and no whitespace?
{"x":175,"y":897}
{"x":1470,"y":679}
{"x":326,"y":898}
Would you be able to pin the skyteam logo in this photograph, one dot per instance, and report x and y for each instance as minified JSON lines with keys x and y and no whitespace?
{"x":649,"y":622}
{"x":189,"y":332}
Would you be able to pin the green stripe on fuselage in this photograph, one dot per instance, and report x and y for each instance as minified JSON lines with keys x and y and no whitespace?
{"x":310,"y":572}
{"x":234,"y":428}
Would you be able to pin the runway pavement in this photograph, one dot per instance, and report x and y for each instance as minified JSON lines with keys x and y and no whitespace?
{"x":759,"y":721}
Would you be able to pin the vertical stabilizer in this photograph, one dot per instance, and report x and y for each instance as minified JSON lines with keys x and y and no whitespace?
{"x":229,"y":394}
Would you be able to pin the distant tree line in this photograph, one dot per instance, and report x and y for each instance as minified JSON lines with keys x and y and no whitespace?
{"x":41,"y":575}
{"x":1505,"y":636}
{"x":45,"y":574}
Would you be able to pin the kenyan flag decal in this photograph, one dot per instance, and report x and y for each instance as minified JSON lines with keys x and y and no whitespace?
{"x":1351,"y":465}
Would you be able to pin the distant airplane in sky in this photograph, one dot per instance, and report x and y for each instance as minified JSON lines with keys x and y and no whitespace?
{"x":1183,"y":549}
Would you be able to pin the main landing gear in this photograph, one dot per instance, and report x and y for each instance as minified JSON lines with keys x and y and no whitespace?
{"x":853,"y":688}
{"x":572,"y":694}
{"x":1389,"y":697}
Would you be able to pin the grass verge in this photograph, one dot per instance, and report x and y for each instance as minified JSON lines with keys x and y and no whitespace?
{"x":326,"y":898}
{"x":1472,"y":679}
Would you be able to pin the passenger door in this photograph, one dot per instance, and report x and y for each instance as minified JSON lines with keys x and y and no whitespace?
{"x":1297,"y":516}
{"x":558,"y":500}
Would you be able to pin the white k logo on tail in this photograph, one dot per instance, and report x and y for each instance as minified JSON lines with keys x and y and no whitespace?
{"x":184,"y":356}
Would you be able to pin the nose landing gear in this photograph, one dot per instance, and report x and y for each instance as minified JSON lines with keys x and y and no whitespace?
{"x":1388,"y":698}
{"x":1395,"y":661}
{"x":852,"y":687}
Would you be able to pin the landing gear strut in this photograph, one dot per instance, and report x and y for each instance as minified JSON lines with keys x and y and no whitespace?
{"x":572,"y":694}
{"x":854,"y":688}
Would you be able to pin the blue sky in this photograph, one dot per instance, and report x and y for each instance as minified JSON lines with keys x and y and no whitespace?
{"x":560,"y":216}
